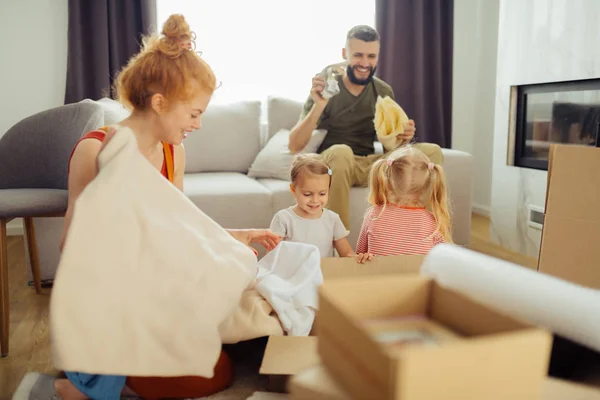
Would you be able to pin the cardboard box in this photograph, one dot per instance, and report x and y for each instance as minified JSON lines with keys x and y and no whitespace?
{"x":571,"y":230}
{"x":336,"y":267}
{"x":498,"y":357}
{"x":287,"y":355}
{"x":316,"y":383}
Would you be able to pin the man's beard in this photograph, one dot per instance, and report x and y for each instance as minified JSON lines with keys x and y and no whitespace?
{"x":352,"y":77}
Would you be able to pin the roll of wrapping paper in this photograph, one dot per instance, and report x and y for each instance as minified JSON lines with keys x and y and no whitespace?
{"x":562,"y":307}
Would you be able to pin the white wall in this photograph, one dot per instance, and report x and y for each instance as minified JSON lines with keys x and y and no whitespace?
{"x":33,"y":44}
{"x":539,"y":41}
{"x":473,"y":92}
{"x":33,"y":69}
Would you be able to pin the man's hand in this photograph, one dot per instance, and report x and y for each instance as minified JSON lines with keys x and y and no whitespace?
{"x":408,"y":134}
{"x":318,"y":85}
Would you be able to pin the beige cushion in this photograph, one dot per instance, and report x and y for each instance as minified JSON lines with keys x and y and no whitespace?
{"x":228,"y":141}
{"x":275,"y":159}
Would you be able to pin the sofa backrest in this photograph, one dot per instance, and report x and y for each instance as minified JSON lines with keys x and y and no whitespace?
{"x":228,"y":141}
{"x":282,"y":113}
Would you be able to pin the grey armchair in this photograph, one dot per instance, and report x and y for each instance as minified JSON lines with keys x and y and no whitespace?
{"x":34,"y":156}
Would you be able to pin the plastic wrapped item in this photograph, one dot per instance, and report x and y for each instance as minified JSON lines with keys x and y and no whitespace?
{"x":330,"y":74}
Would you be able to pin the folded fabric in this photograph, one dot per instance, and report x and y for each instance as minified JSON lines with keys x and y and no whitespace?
{"x":389,"y":121}
{"x":146,"y":278}
{"x":253,"y":318}
{"x":288,"y":278}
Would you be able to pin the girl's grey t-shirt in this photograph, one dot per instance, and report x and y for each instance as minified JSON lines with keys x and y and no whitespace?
{"x":321,"y":232}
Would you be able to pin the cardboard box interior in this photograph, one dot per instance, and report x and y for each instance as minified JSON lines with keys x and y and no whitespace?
{"x":571,"y":230}
{"x":369,"y":370}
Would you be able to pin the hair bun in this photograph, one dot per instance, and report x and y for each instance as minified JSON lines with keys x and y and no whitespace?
{"x":177,"y":36}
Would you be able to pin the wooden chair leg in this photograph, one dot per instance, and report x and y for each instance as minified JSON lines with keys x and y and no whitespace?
{"x":4,"y":303}
{"x":33,"y":254}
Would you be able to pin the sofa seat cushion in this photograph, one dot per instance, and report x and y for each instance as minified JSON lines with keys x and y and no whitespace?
{"x":232,"y":199}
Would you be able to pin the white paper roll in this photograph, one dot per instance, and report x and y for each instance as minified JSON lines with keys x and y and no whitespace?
{"x":570,"y":310}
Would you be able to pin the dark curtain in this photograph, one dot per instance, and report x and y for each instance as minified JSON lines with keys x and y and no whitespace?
{"x":103,"y":35}
{"x":416,"y":60}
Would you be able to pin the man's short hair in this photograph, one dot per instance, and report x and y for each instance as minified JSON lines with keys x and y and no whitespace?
{"x":364,"y":33}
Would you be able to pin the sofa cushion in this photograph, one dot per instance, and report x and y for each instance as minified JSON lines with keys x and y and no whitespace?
{"x":228,"y":141}
{"x":114,"y":111}
{"x":282,"y":113}
{"x":232,"y":199}
{"x":280,"y":193}
{"x":275,"y":159}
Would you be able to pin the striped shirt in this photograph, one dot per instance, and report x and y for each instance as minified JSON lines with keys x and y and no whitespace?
{"x":398,"y":230}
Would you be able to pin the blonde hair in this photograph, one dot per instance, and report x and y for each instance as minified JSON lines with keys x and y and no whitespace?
{"x":407,"y":176}
{"x":167,"y":64}
{"x":311,"y":163}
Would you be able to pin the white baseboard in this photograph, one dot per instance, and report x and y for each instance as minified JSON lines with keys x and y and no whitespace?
{"x":481,"y":210}
{"x":15,"y":227}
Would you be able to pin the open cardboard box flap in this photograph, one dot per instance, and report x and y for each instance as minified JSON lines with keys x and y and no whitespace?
{"x":571,"y":229}
{"x":288,"y":355}
{"x":337,"y":267}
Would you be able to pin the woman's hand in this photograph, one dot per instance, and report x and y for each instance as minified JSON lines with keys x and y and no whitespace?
{"x":264,"y":237}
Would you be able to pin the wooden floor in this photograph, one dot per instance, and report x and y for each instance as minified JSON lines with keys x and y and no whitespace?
{"x":29,"y":334}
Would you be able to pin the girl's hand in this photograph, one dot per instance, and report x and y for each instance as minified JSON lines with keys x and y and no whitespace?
{"x":264,"y":237}
{"x":361,"y":258}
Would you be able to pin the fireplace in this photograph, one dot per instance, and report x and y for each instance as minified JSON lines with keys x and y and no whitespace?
{"x":549,"y":113}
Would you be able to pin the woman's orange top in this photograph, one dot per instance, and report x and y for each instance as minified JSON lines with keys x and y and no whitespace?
{"x":168,"y":167}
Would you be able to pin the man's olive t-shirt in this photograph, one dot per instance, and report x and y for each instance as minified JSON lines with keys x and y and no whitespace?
{"x":348,"y":119}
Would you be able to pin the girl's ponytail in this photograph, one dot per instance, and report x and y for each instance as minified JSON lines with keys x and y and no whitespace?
{"x":378,"y":185}
{"x":439,"y":203}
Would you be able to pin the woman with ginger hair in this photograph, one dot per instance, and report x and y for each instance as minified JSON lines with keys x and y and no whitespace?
{"x":168,"y":87}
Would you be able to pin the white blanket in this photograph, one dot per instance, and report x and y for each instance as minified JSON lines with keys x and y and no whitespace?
{"x":145,"y":278}
{"x":288,"y":278}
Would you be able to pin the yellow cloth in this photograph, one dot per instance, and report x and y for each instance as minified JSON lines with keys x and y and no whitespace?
{"x":389,"y":121}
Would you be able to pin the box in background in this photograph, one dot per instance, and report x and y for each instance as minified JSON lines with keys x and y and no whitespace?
{"x":571,"y":230}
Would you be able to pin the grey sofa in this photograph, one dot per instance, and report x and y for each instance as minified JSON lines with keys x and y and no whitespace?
{"x":219,"y":157}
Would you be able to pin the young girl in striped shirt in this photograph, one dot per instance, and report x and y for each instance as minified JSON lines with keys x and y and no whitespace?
{"x":410,"y":212}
